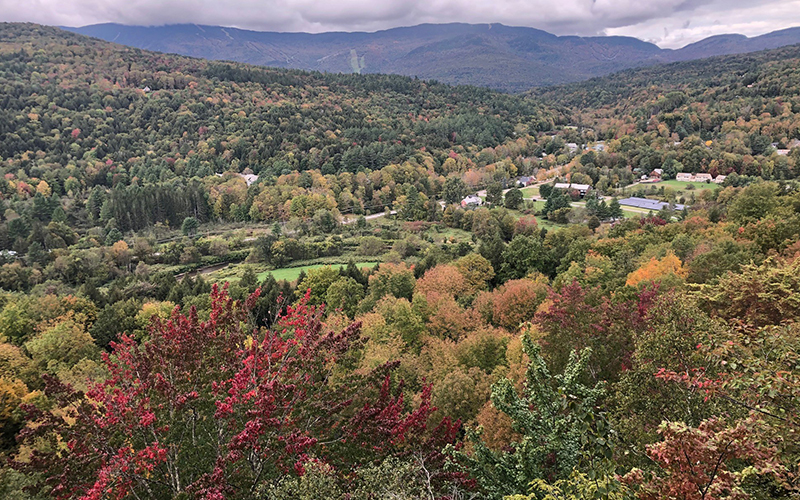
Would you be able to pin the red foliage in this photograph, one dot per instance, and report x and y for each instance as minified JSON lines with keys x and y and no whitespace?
{"x":578,"y":319}
{"x":652,"y":221}
{"x":696,"y":461}
{"x":212,"y":408}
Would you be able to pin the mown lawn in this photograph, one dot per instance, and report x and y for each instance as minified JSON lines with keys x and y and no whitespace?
{"x":530,"y":192}
{"x":684,"y":186}
{"x":291,"y":273}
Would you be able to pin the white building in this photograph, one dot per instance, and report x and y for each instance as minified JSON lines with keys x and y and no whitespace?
{"x":471,"y":201}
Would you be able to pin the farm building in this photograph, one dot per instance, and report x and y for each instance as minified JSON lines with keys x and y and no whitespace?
{"x":648,"y":204}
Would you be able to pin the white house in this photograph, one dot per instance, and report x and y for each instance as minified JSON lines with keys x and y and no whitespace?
{"x":703,"y":178}
{"x":581,"y":188}
{"x":471,"y":201}
{"x":685,"y":177}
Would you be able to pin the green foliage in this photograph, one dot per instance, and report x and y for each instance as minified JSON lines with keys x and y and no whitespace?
{"x":392,"y":478}
{"x":520,"y":257}
{"x":579,"y":486}
{"x":189,"y":226}
{"x":345,"y":294}
{"x":113,"y":236}
{"x":494,"y":194}
{"x":513,"y":199}
{"x":454,"y":190}
{"x":554,"y":417}
{"x":316,"y":283}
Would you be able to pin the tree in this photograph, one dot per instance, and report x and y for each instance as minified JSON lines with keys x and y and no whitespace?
{"x":61,"y":346}
{"x":523,"y":255}
{"x":513,"y":199}
{"x":494,"y":194}
{"x":513,"y":303}
{"x":250,"y":406}
{"x":391,"y":279}
{"x":316,"y":283}
{"x":454,"y":190}
{"x":476,"y":270}
{"x":761,"y":295}
{"x":612,"y":326}
{"x":614,"y":209}
{"x":754,"y":202}
{"x":561,"y":215}
{"x":667,"y":342}
{"x":593,"y":223}
{"x":656,"y":270}
{"x":700,"y":462}
{"x":345,"y":294}
{"x":557,"y":199}
{"x":189,"y":226}
{"x":324,"y":221}
{"x":113,"y":236}
{"x":555,"y":416}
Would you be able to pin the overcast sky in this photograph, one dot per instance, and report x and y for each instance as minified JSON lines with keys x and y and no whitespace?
{"x":669,"y":23}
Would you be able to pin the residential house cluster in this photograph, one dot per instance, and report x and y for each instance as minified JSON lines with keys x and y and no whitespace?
{"x":687,"y":177}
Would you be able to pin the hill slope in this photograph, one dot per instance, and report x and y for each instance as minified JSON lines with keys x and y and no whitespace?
{"x":87,"y":113}
{"x":493,"y":55}
{"x":724,"y":115}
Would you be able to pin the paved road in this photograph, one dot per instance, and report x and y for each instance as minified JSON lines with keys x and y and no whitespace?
{"x":369,"y":217}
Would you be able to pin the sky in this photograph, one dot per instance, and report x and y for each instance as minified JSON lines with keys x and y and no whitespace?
{"x":668,"y":23}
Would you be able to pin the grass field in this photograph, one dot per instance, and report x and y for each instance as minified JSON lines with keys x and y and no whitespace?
{"x":447,"y":233}
{"x":291,"y":273}
{"x":539,"y":205}
{"x":530,"y":192}
{"x":682,"y":186}
{"x":630,"y":214}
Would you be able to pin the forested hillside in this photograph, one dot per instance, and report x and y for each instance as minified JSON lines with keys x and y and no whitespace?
{"x":507,"y":58}
{"x":75,"y":115}
{"x":223,"y":281}
{"x":724,"y":115}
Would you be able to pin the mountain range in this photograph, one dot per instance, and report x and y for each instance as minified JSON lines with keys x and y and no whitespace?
{"x":507,"y":58}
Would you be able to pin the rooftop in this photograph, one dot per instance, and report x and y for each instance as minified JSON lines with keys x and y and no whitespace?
{"x":648,"y":204}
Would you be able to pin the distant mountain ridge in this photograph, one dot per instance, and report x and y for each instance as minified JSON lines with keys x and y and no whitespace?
{"x":508,"y":58}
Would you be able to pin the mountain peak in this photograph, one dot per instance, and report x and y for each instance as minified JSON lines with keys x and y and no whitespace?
{"x":503,"y":57}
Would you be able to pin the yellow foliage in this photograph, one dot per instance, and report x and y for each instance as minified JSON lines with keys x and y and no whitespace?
{"x":43,"y":188}
{"x":12,"y":393}
{"x":162,"y":310}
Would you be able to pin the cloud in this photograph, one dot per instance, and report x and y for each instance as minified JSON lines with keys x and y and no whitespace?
{"x":717,"y":17}
{"x":670,"y":23}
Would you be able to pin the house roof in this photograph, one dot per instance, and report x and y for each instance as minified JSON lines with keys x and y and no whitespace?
{"x":579,"y":187}
{"x":648,"y":204}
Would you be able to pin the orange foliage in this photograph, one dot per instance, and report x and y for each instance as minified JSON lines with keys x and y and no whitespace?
{"x":655,"y":269}
{"x":441,"y":282}
{"x":497,"y":427}
{"x":449,"y":320}
{"x":511,"y":304}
